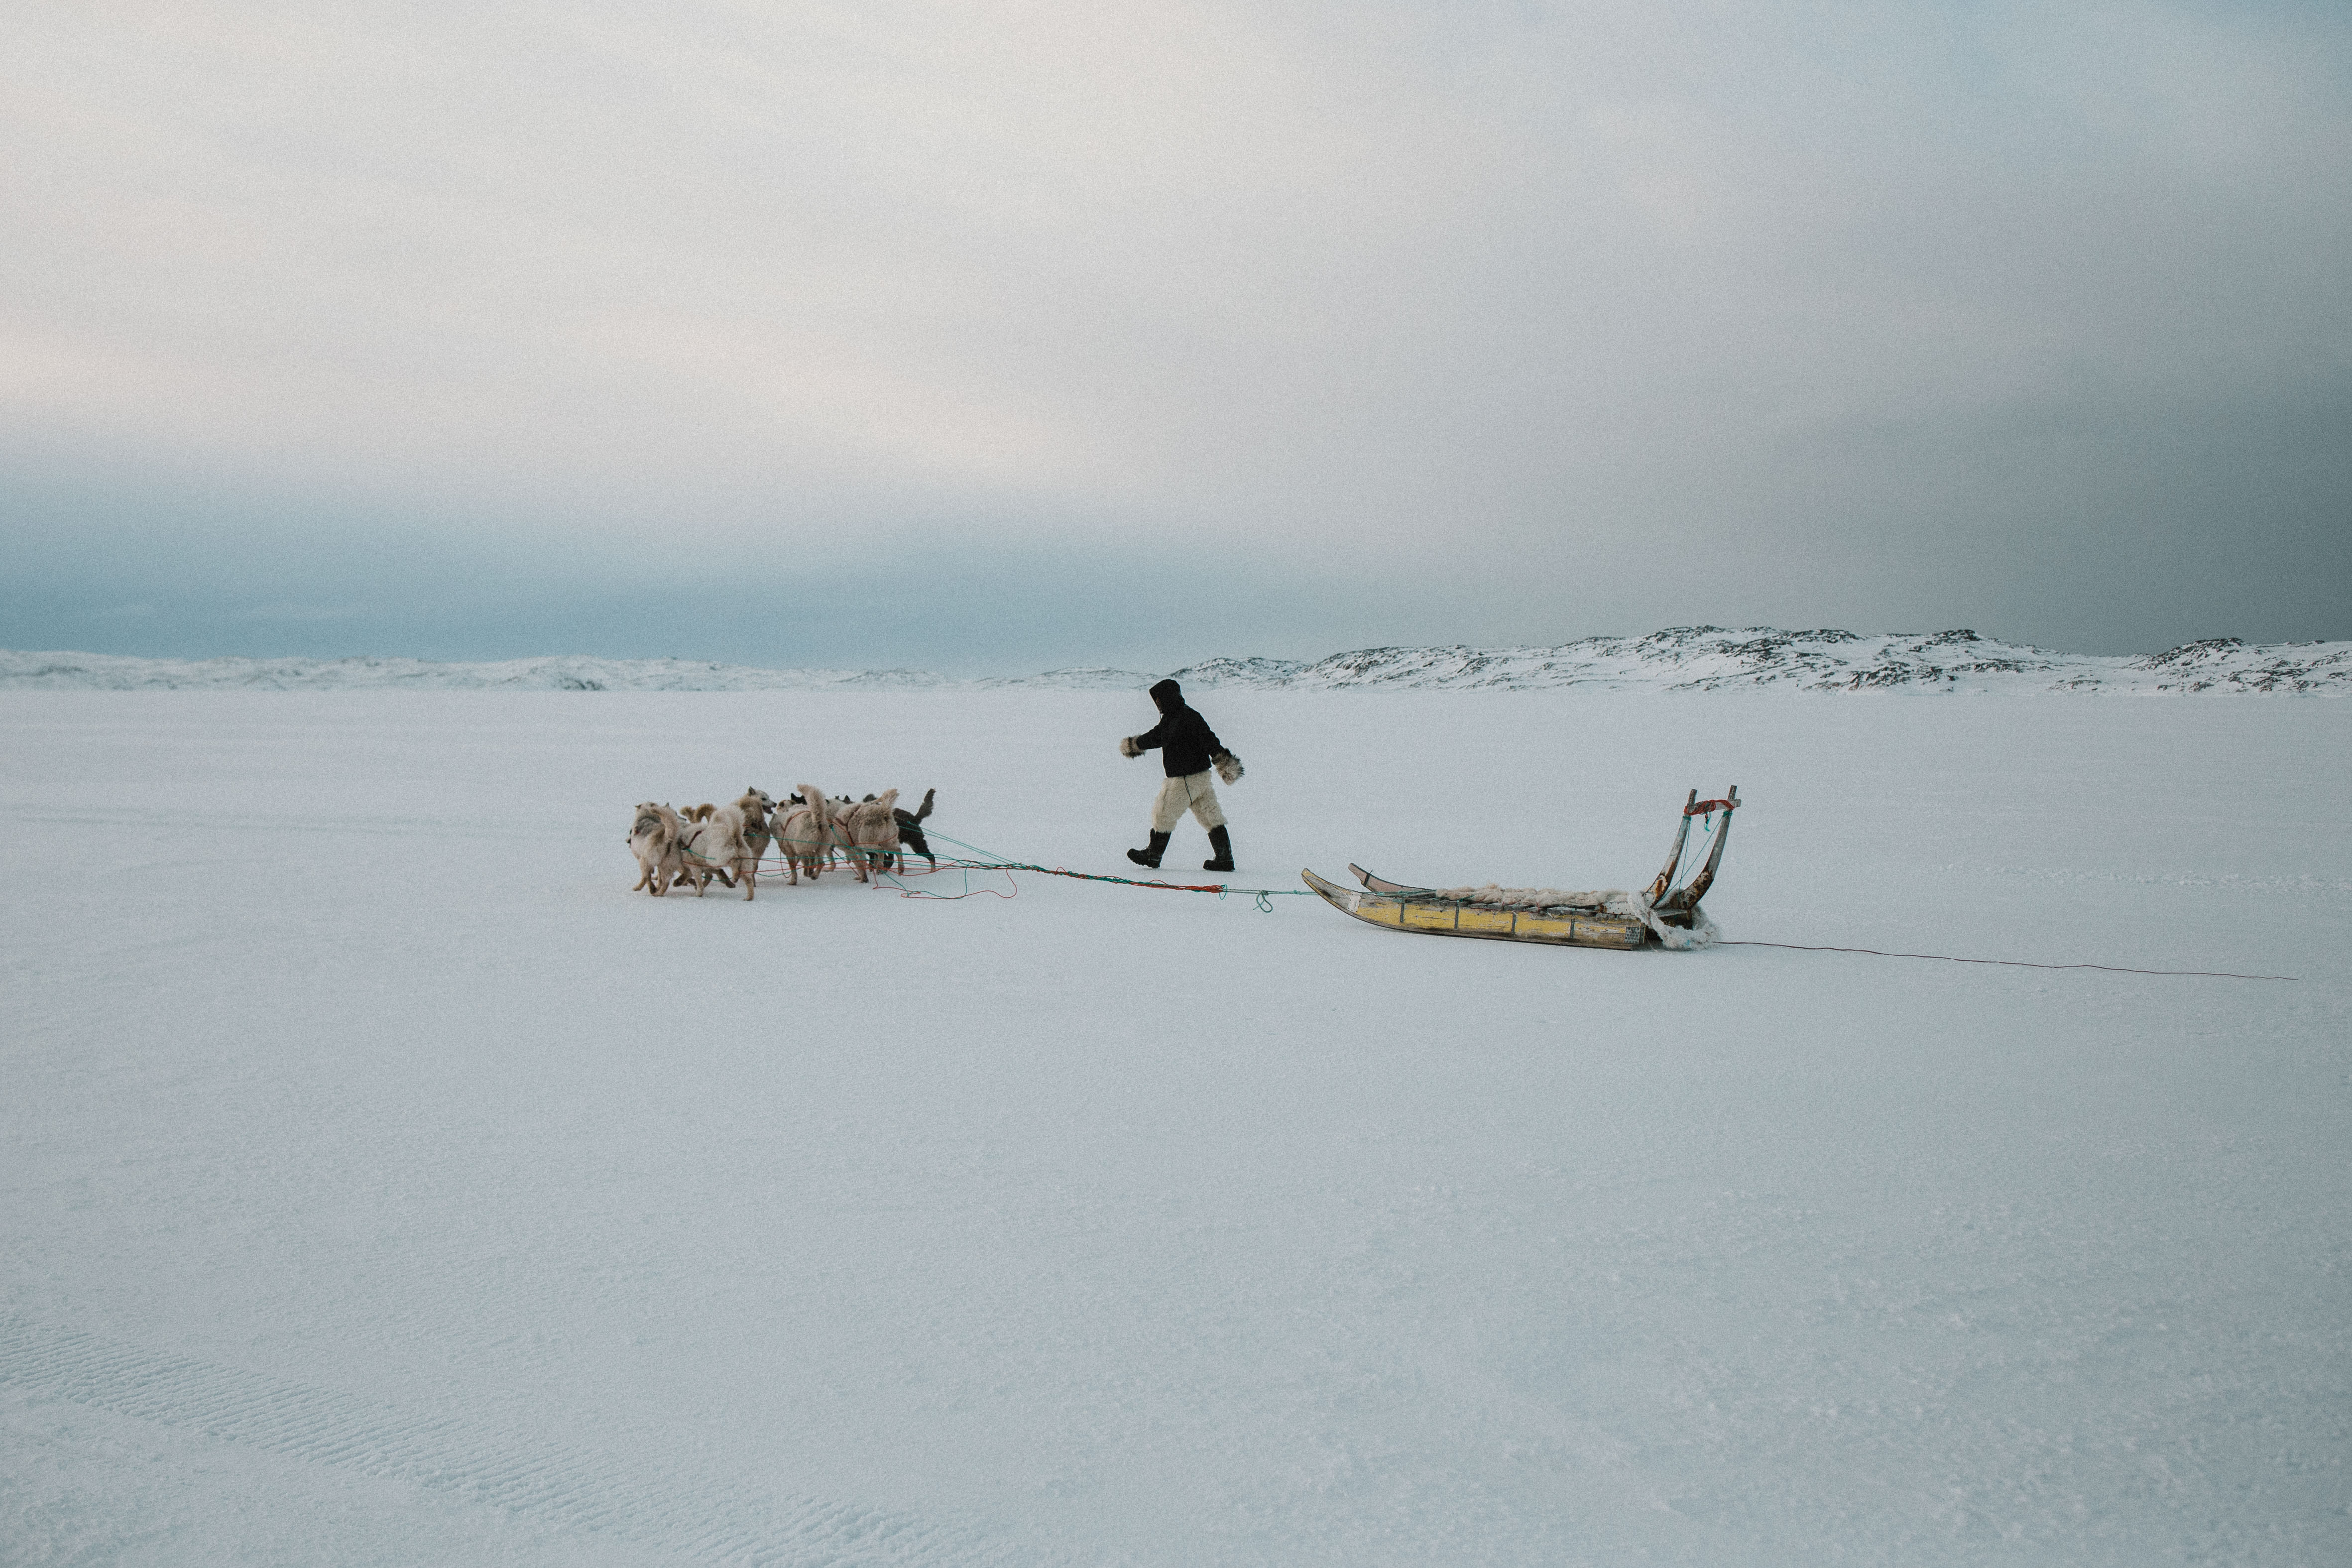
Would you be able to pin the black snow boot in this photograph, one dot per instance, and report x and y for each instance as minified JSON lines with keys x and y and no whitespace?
{"x":1151,"y":857}
{"x":1224,"y":845}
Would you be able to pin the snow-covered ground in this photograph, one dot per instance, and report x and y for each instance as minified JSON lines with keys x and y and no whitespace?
{"x":385,"y":1184}
{"x":1684,"y":658}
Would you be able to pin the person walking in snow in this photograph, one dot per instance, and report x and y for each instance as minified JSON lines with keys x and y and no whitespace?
{"x":1188,"y":749}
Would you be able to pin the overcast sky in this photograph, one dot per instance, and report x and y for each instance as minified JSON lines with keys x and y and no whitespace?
{"x":986,"y":336}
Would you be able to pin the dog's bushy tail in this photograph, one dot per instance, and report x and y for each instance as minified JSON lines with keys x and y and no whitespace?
{"x":924,"y":809}
{"x":882,"y":824}
{"x":820,"y":827}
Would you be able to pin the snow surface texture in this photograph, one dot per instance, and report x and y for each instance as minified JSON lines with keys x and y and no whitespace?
{"x":385,"y":1185}
{"x":1687,"y":658}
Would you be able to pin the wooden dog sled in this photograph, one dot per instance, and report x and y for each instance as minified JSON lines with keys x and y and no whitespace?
{"x":1666,"y":913}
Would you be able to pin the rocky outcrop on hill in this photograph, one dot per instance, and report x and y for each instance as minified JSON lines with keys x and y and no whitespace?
{"x":1709,"y":659}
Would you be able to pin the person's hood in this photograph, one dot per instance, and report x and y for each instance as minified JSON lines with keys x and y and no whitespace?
{"x":1168,"y":697}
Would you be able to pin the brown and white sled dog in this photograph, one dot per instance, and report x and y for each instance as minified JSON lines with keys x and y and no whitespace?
{"x":653,"y":837}
{"x":688,"y":818}
{"x":714,"y":845}
{"x":759,"y":812}
{"x":910,"y":831}
{"x":804,"y":833}
{"x":869,"y":831}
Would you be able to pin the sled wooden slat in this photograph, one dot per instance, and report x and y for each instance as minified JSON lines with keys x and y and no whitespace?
{"x":1473,"y":921}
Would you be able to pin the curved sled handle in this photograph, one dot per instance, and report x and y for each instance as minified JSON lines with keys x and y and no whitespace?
{"x":1665,"y":877}
{"x":1684,"y":899}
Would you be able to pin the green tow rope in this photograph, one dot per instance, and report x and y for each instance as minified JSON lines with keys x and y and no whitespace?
{"x":981,"y":859}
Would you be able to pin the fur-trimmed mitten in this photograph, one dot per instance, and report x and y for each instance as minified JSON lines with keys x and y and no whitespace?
{"x":1128,"y":748}
{"x":1228,"y":766}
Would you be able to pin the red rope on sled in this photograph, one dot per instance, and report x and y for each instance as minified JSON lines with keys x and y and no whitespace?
{"x":969,"y":890}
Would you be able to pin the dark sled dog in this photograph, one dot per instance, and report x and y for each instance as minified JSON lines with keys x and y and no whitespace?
{"x":910,"y":835}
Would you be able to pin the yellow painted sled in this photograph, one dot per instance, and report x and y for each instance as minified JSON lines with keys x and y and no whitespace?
{"x":1666,"y":913}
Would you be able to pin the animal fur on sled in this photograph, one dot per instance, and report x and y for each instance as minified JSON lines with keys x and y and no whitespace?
{"x":1700,"y":932}
{"x":1546,"y":900}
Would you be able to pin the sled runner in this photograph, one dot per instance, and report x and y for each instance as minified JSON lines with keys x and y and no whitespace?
{"x":1666,"y":912}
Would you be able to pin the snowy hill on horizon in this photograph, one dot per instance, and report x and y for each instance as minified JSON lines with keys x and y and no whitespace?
{"x":1682,"y":658}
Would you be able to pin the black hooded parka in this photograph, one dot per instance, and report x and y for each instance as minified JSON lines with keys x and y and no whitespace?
{"x":1182,"y":738}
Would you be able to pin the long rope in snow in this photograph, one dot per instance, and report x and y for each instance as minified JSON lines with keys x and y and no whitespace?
{"x":988,"y":861}
{"x":2010,"y":962}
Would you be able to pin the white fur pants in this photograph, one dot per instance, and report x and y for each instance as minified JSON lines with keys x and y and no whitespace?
{"x":1194,"y":792}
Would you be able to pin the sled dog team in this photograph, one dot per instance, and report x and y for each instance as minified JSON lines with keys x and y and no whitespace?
{"x":874,"y":834}
{"x":727,"y":842}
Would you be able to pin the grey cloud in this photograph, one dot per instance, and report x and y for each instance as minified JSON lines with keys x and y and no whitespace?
{"x":1480,"y":322}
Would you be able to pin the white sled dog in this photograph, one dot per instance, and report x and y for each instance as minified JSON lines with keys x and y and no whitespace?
{"x":910,"y":831}
{"x":759,"y":813}
{"x":869,"y":831}
{"x":653,"y":837}
{"x":689,"y":825}
{"x":804,"y":832}
{"x":714,"y":845}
